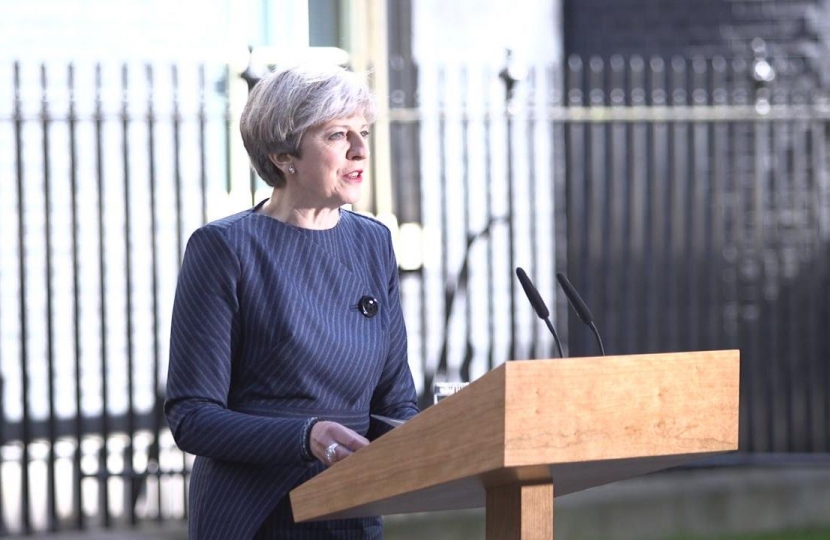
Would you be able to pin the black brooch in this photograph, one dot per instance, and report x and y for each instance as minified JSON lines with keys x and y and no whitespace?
{"x":368,"y":306}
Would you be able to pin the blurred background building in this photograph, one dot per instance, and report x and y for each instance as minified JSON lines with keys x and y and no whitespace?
{"x":669,"y":157}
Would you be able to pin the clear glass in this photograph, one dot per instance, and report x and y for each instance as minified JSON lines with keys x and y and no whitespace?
{"x":440,"y":390}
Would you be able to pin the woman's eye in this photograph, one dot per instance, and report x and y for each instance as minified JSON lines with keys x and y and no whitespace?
{"x":365,"y":134}
{"x":336,"y":136}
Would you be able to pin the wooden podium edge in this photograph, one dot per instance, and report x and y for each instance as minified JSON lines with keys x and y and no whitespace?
{"x":421,"y":461}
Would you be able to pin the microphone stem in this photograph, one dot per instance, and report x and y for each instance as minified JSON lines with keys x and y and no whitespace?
{"x":555,"y":337}
{"x":596,"y":334}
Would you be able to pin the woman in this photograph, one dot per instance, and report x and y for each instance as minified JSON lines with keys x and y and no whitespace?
{"x":287,"y":330}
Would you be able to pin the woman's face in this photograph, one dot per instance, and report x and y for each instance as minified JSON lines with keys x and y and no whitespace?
{"x":333,"y":160}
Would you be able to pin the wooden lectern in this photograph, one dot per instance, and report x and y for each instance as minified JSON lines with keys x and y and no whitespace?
{"x":509,"y":438}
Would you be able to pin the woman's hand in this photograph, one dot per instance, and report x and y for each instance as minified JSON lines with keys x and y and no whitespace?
{"x":331,"y":442}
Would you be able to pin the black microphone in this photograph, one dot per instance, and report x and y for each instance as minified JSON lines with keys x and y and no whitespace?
{"x":538,"y":305}
{"x":579,"y":306}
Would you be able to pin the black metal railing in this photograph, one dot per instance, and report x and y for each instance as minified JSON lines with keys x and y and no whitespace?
{"x":686,"y":199}
{"x":102,"y":160}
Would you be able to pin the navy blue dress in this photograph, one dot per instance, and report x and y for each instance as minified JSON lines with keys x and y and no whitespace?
{"x":266,"y":335}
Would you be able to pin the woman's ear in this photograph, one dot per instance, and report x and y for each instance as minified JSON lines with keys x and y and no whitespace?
{"x":281,"y":161}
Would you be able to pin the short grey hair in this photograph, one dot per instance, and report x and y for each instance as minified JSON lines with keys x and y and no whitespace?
{"x":283,"y":105}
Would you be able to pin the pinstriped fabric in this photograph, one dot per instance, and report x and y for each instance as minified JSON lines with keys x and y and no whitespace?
{"x":266,"y":333}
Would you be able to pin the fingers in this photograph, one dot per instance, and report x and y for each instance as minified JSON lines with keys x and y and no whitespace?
{"x":331,"y":442}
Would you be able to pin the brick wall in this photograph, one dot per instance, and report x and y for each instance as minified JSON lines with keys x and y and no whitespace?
{"x":797,"y":30}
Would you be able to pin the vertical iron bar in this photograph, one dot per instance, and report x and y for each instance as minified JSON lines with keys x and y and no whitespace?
{"x":741,"y":137}
{"x":227,"y":131}
{"x":770,"y":202}
{"x":716,"y":232}
{"x":511,"y":231}
{"x":177,"y":177}
{"x":103,"y":479}
{"x":46,"y":121}
{"x":617,"y":266}
{"x":464,"y":277}
{"x":667,"y":247}
{"x":750,"y":378}
{"x":736,"y":143}
{"x":177,"y":146}
{"x":252,"y":182}
{"x":820,"y":180}
{"x":753,"y":306}
{"x":767,"y":247}
{"x":694,"y":289}
{"x":180,"y":245}
{"x":559,"y":223}
{"x":686,"y":305}
{"x":592,"y":285}
{"x":129,"y":473}
{"x":202,"y":115}
{"x":677,"y":199}
{"x":154,"y":452}
{"x":576,"y":142}
{"x":423,"y":292}
{"x":533,"y":237}
{"x":603,"y":202}
{"x":633,"y":337}
{"x":491,"y":263}
{"x":651,"y":267}
{"x":637,"y":209}
{"x":806,"y":193}
{"x":24,"y":327}
{"x":442,"y":164}
{"x":658,"y":175}
{"x":76,"y":295}
{"x":802,"y":195}
{"x":789,"y":247}
{"x":784,"y":198}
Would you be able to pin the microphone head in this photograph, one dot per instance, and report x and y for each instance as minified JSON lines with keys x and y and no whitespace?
{"x":579,"y":306}
{"x":532,"y":294}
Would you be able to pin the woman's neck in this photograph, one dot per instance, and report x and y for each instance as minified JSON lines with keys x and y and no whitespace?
{"x":282,"y":208}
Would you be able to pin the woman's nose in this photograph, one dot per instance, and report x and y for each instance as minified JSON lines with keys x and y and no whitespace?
{"x":359,"y":147}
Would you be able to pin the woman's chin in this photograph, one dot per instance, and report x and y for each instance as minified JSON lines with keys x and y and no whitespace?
{"x":351,"y":196}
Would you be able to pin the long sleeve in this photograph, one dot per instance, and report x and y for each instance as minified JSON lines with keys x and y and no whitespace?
{"x":205,"y":334}
{"x":394,"y":395}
